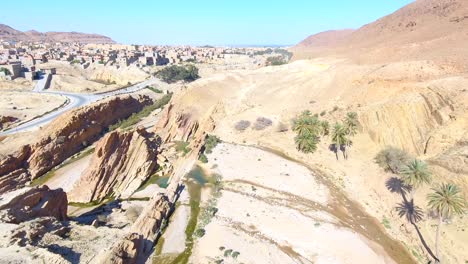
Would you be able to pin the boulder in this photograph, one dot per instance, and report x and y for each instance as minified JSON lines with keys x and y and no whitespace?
{"x":34,"y":202}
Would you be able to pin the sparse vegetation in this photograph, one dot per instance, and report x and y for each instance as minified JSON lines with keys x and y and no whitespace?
{"x":5,"y":71}
{"x":211,"y":142}
{"x":242,"y":125}
{"x":174,"y":73}
{"x":392,"y":159}
{"x":261,"y":123}
{"x":182,"y":146}
{"x":276,"y":61}
{"x":156,"y":90}
{"x":146,"y":111}
{"x":386,"y":223}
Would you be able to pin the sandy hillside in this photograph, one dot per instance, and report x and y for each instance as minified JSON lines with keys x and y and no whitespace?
{"x":424,"y":29}
{"x":95,"y":78}
{"x":17,"y":84}
{"x":423,"y":102}
{"x":25,"y":106}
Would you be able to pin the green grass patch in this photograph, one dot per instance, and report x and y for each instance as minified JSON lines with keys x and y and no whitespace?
{"x":386,"y":223}
{"x":50,"y":174}
{"x":153,"y":89}
{"x":182,"y":146}
{"x":107,"y":199}
{"x":146,"y":111}
{"x":44,"y":178}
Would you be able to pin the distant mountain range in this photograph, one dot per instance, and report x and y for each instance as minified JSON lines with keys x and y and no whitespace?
{"x":424,"y":29}
{"x":8,"y":33}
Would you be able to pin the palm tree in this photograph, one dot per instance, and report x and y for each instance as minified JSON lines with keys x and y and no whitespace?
{"x":351,"y":123}
{"x":325,"y":127}
{"x":307,"y":124}
{"x":415,"y":174}
{"x":446,"y":200}
{"x":340,"y":139}
{"x":306,"y":143}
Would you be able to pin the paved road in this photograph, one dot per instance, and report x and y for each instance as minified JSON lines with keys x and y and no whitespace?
{"x":74,"y":100}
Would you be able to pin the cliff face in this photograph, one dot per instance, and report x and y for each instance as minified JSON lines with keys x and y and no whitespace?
{"x":121,"y":163}
{"x":64,"y":137}
{"x":406,"y":122}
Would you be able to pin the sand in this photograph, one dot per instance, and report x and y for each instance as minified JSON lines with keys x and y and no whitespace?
{"x":270,"y":212}
{"x":27,"y":105}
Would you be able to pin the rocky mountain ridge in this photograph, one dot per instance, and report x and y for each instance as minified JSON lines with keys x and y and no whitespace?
{"x":8,"y":33}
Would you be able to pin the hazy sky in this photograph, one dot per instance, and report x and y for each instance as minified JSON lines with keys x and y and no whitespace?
{"x":196,"y":22}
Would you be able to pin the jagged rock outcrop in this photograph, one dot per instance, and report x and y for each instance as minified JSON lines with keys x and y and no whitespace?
{"x":31,"y":232}
{"x":79,"y":128}
{"x":12,"y":169}
{"x":183,"y":126}
{"x":136,"y":246}
{"x":65,"y":136}
{"x":121,"y":163}
{"x":5,"y":121}
{"x":35,"y":202}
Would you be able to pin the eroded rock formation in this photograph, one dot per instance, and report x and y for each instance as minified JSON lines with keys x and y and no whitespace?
{"x":33,"y":203}
{"x":121,"y":163}
{"x":406,"y":122}
{"x":137,"y":244}
{"x":64,"y":137}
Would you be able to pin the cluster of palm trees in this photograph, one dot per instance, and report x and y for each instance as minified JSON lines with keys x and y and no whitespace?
{"x":446,"y":199}
{"x":342,"y":133}
{"x":310,"y":129}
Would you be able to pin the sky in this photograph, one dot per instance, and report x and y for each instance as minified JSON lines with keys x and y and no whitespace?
{"x":196,"y":22}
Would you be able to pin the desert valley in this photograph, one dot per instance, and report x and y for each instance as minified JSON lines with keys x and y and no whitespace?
{"x":348,"y":147}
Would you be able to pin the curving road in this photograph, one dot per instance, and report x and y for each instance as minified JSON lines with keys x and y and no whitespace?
{"x":74,"y":100}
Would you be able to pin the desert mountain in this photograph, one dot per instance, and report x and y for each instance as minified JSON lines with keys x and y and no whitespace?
{"x":424,"y":29}
{"x":8,"y":33}
{"x":326,"y":39}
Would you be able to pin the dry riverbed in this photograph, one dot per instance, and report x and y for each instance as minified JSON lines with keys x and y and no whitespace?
{"x":253,"y":206}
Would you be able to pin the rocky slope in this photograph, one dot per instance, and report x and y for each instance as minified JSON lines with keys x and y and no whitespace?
{"x":33,"y":203}
{"x":121,"y":163}
{"x":8,"y":33}
{"x":64,"y":137}
{"x":424,"y":29}
{"x":326,"y":39}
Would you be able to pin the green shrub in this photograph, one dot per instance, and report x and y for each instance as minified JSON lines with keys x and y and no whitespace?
{"x":5,"y":70}
{"x":156,"y":90}
{"x":203,"y":158}
{"x":235,"y":254}
{"x":228,"y":252}
{"x":174,"y":73}
{"x":275,"y":61}
{"x":211,"y":142}
{"x":392,"y":159}
{"x":200,"y":232}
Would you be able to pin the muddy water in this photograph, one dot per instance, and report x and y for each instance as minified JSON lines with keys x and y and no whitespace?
{"x":353,"y":216}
